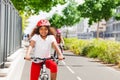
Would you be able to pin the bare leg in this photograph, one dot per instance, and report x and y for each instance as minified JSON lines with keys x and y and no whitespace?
{"x":53,"y":69}
{"x":53,"y":76}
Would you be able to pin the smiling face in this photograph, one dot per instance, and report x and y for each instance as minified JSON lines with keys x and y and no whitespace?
{"x":43,"y":31}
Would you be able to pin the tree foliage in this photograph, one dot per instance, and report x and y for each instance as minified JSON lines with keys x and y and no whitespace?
{"x":96,"y":10}
{"x":70,"y":16}
{"x":57,"y":20}
{"x":34,"y":6}
{"x":27,"y":8}
{"x":117,"y":16}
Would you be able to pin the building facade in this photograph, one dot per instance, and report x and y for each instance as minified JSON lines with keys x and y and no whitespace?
{"x":113,"y":28}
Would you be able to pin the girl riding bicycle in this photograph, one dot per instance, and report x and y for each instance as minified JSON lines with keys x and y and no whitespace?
{"x":58,"y":36}
{"x":42,"y":42}
{"x":59,"y":39}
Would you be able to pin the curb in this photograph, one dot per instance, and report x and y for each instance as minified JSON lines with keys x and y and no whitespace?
{"x":14,"y":66}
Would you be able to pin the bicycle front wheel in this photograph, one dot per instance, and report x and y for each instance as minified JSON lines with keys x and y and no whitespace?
{"x":45,"y":77}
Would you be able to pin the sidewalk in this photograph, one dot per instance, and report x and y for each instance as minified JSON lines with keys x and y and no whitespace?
{"x":14,"y":66}
{"x":26,"y":71}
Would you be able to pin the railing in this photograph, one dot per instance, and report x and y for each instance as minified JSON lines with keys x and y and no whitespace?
{"x":10,"y":30}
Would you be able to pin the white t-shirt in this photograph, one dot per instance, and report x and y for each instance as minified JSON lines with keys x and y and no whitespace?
{"x":43,"y":47}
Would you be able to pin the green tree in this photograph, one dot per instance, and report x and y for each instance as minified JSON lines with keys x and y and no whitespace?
{"x":27,"y":8}
{"x":96,"y":10}
{"x":57,"y":20}
{"x":70,"y":16}
{"x":117,"y":16}
{"x":30,"y":7}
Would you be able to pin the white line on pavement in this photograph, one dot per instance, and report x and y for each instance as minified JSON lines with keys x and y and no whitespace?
{"x":79,"y":78}
{"x":63,"y":62}
{"x":68,"y":67}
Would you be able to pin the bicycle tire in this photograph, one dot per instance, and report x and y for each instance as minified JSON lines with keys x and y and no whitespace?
{"x":45,"y":77}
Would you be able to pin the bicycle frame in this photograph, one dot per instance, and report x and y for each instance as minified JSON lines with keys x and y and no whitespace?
{"x":55,"y":54}
{"x":43,"y":73}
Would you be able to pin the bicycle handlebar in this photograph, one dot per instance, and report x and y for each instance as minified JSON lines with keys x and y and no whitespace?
{"x":43,"y":58}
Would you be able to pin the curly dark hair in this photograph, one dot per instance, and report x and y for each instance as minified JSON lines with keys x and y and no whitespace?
{"x":36,"y":31}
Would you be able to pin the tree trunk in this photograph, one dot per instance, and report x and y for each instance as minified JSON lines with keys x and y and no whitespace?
{"x":98,"y":30}
{"x":66,"y":36}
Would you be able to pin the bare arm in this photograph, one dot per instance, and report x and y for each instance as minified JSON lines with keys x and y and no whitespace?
{"x":62,"y":40}
{"x":32,"y":44}
{"x":60,"y":55}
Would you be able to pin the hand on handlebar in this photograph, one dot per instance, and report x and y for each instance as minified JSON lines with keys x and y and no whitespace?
{"x":61,"y":57}
{"x":27,"y":57}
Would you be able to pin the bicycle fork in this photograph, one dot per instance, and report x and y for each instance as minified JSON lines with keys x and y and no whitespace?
{"x":43,"y":73}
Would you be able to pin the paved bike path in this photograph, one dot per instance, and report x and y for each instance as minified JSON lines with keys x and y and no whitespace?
{"x":79,"y":68}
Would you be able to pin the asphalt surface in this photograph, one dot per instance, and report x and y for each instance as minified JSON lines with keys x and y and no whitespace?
{"x":79,"y":68}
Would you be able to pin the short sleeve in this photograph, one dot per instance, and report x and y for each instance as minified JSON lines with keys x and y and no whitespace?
{"x":34,"y":38}
{"x":52,"y":38}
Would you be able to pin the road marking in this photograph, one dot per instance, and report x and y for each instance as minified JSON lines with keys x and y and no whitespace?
{"x":63,"y":62}
{"x":68,"y":67}
{"x":79,"y":78}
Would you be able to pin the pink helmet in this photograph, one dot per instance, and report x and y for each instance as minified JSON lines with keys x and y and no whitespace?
{"x":58,"y":31}
{"x":43,"y":22}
